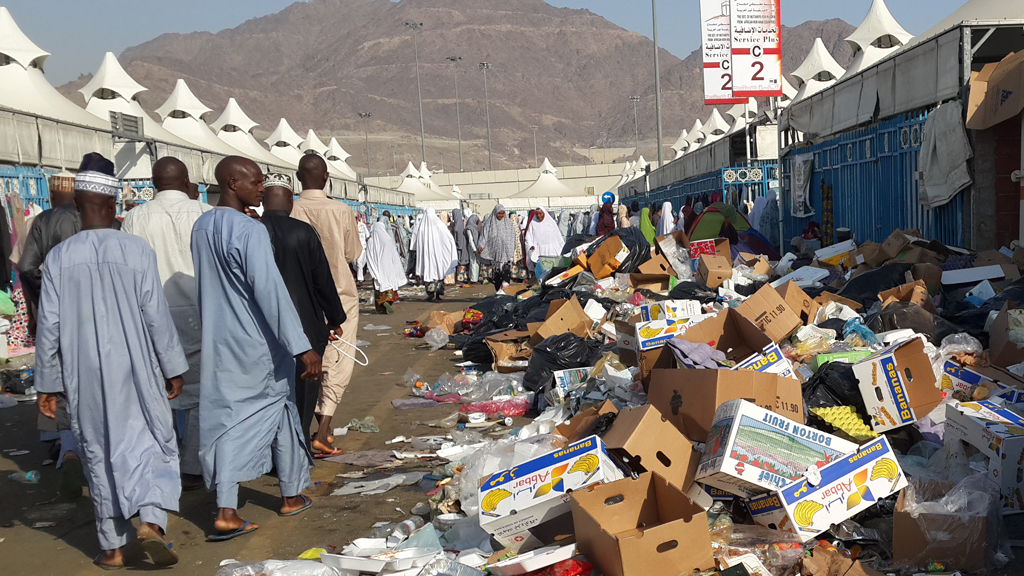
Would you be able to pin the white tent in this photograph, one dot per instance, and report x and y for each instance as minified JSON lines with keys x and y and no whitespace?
{"x":40,"y":126}
{"x":748,"y":110}
{"x":411,"y":184}
{"x":184,"y":116}
{"x":715,"y":127}
{"x":113,"y":90}
{"x":284,"y":143}
{"x":313,"y":142}
{"x":877,"y":36}
{"x":337,"y":156}
{"x":639,"y":169}
{"x":234,"y":127}
{"x":547,"y":185}
{"x":696,"y":136}
{"x":818,"y":71}
{"x":680,"y":147}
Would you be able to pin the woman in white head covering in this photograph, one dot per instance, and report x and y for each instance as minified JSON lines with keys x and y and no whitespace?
{"x":543,"y":238}
{"x":564,"y":221}
{"x":667,"y":221}
{"x":436,"y":256}
{"x":385,"y":266}
{"x":498,"y":239}
{"x":473,"y":243}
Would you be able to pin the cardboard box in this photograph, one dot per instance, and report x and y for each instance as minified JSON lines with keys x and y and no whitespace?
{"x":959,"y":542}
{"x":564,"y":381}
{"x":930,"y":274}
{"x":632,"y":439}
{"x":806,"y":276}
{"x":563,"y":316}
{"x":713,"y":271}
{"x":511,"y":351}
{"x":917,"y":255}
{"x":898,"y":385}
{"x":825,"y":297}
{"x":564,"y":276}
{"x":825,"y":562}
{"x":892,"y":247}
{"x":675,"y":247}
{"x":999,"y":435}
{"x":716,"y":247}
{"x":651,"y":360}
{"x":1002,"y":383}
{"x":915,"y":293}
{"x":799,"y":302}
{"x":638,"y":336}
{"x":607,"y":258}
{"x":582,"y":424}
{"x":1002,"y":351}
{"x":836,"y":254}
{"x":769,"y":312}
{"x":751,"y":451}
{"x":996,"y":92}
{"x":689,"y":398}
{"x":527,"y":507}
{"x":847,"y":486}
{"x":657,"y":283}
{"x":641,"y":527}
{"x":851,"y":357}
{"x":668,"y":309}
{"x":657,"y":266}
{"x":759,"y":264}
{"x":742,"y":343}
{"x":975,"y":275}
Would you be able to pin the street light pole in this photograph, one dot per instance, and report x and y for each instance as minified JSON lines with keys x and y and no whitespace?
{"x":657,"y":85}
{"x":419,"y":91}
{"x":536,"y":159}
{"x":636,"y":123}
{"x":458,"y":117}
{"x":487,"y":110}
{"x":366,"y":132}
{"x":394,"y":157}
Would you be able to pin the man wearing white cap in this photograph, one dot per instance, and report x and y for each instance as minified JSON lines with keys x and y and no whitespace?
{"x":106,"y":342}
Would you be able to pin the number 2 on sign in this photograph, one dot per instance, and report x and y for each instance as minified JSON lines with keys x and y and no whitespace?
{"x":760,"y":70}
{"x":728,"y":82}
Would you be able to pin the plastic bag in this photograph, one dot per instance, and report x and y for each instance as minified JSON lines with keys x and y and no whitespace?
{"x":495,"y":458}
{"x":857,"y":335}
{"x":678,"y":257}
{"x":692,"y":291}
{"x":865,"y":288}
{"x":833,"y":385}
{"x":415,"y":383}
{"x":437,"y":338}
{"x":559,"y":352}
{"x":494,"y":384}
{"x":906,"y":315}
{"x":571,"y":567}
{"x":278,"y":568}
{"x":512,"y":408}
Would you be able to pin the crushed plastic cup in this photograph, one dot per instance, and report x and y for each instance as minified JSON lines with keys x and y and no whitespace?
{"x":30,"y":477}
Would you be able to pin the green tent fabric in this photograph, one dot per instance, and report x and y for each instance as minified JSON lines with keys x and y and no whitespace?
{"x":646,"y":227}
{"x":709,"y":224}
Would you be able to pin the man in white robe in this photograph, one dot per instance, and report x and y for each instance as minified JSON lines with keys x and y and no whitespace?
{"x":105,"y":339}
{"x":251,"y":337}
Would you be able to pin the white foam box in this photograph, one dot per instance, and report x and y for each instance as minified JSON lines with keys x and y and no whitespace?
{"x":845,"y":487}
{"x":751,"y":451}
{"x":999,"y":435}
{"x":669,"y":310}
{"x":526,"y":506}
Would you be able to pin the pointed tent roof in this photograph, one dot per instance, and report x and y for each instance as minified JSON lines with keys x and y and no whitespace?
{"x":879,"y":29}
{"x":696,"y":136}
{"x":546,"y":166}
{"x":313,"y":142}
{"x":740,"y":110}
{"x":457,"y":192}
{"x":547,"y":185}
{"x":818,"y":65}
{"x":424,"y":171}
{"x":111,"y":76}
{"x":16,"y":45}
{"x":681,"y":143}
{"x":716,"y":125}
{"x":233,"y":115}
{"x":410,"y":172}
{"x":788,"y":92}
{"x":739,"y":124}
{"x":336,"y":153}
{"x":284,"y":133}
{"x":412,"y":184}
{"x":183,"y":101}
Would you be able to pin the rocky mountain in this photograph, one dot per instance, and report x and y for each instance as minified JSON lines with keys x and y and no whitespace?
{"x":319,"y":63}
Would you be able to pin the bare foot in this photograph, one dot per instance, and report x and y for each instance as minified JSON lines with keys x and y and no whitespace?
{"x":323,"y":448}
{"x":229,"y":521}
{"x":152,"y":540}
{"x":110,"y":559}
{"x":293,"y":504}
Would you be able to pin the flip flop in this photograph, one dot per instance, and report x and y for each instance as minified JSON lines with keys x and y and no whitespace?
{"x":308,"y":504}
{"x":160,"y":551}
{"x":104,"y":566}
{"x":321,"y":455}
{"x":224,"y":536}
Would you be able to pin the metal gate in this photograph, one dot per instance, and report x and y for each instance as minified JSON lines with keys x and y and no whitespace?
{"x":733,"y":184}
{"x":28,"y":182}
{"x":866,"y":181}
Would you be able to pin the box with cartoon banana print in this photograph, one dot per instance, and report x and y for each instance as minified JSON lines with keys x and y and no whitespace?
{"x":999,"y":435}
{"x":527,"y":506}
{"x":807,"y":507}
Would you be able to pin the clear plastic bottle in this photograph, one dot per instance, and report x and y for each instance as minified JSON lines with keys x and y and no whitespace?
{"x":25,"y":477}
{"x":407,"y":527}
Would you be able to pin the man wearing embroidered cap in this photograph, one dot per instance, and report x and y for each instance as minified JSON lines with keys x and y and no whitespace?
{"x":106,"y":342}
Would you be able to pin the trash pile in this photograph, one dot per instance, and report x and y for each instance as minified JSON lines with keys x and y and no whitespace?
{"x":851,"y":410}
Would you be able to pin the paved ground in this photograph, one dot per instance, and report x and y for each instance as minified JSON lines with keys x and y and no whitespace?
{"x":67,"y":548}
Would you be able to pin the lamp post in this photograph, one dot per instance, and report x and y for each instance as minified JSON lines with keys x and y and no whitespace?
{"x":487,"y":110}
{"x":394,"y":157}
{"x":657,"y":79}
{"x":419,"y":91}
{"x":636,"y":123}
{"x":458,"y":117}
{"x":536,"y":159}
{"x":366,"y":132}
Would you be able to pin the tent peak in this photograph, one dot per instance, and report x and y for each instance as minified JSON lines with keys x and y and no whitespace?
{"x":546,"y":167}
{"x":111,"y":77}
{"x":16,"y":45}
{"x":879,"y":29}
{"x":410,"y":171}
{"x":313,"y":142}
{"x":284,"y":133}
{"x":233,"y":115}
{"x":336,"y":152}
{"x":818,"y":65}
{"x":183,"y":101}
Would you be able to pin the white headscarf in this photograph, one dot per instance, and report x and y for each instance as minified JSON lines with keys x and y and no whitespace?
{"x":544,"y":238}
{"x":436,"y":255}
{"x":755,"y":214}
{"x":382,"y":259}
{"x":666,"y":222}
{"x":498,"y":237}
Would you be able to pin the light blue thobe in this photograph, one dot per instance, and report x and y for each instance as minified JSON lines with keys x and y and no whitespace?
{"x":106,"y":339}
{"x":251,"y":335}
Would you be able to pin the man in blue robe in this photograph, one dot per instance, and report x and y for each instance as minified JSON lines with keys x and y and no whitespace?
{"x":251,"y":336}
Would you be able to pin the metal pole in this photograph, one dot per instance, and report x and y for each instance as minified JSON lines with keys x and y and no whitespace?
{"x":366,"y":131}
{"x":394,"y":158}
{"x":536,"y":158}
{"x":636,"y":123}
{"x":458,"y":117}
{"x":657,"y":80}
{"x":487,"y":110}
{"x":419,"y":91}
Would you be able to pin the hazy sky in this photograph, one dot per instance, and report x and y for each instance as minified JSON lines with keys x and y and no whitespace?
{"x":78,"y":32}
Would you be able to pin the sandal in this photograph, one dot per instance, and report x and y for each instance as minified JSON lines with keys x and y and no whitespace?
{"x":160,"y":551}
{"x":106,"y":566}
{"x":224,"y":536}
{"x":308,"y":504}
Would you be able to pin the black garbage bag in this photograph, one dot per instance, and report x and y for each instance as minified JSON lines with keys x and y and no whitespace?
{"x":864,"y":289}
{"x":692,"y":291}
{"x":900,"y":315}
{"x":639,"y":249}
{"x":972,"y":319}
{"x":560,"y":352}
{"x":832,"y":385}
{"x":573,"y":241}
{"x":501,"y":313}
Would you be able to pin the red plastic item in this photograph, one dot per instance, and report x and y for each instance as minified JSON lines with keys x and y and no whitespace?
{"x":513,"y":408}
{"x":565,"y":568}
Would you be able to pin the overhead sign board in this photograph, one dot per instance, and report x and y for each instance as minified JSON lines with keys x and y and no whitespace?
{"x":756,"y":48}
{"x":716,"y":45}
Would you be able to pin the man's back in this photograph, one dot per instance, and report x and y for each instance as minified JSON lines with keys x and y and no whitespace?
{"x":339,"y":233}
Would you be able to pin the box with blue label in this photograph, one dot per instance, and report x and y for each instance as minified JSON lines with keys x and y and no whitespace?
{"x":565,"y":381}
{"x":527,"y":506}
{"x":742,"y":342}
{"x":898,"y":385}
{"x":999,"y":382}
{"x":840,"y":490}
{"x":998,"y":434}
{"x":669,"y":309}
{"x":752,"y":451}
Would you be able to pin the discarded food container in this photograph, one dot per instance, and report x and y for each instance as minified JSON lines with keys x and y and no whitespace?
{"x":30,"y":477}
{"x":532,"y":561}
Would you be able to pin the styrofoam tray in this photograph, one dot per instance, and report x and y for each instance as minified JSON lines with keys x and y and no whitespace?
{"x":535,"y":560}
{"x":405,"y":559}
{"x":352,"y":563}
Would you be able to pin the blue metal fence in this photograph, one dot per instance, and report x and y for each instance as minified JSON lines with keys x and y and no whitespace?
{"x":30,"y":183}
{"x":734,"y":184}
{"x":144,"y":189}
{"x":870,"y":185}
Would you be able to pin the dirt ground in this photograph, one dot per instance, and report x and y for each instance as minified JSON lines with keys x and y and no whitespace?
{"x":67,"y":548}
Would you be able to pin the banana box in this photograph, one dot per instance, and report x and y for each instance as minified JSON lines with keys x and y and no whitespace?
{"x":843,"y":488}
{"x":898,"y":385}
{"x":999,"y":435}
{"x":527,"y":506}
{"x":669,"y":310}
{"x":1002,"y":383}
{"x":751,"y":451}
{"x":657,"y":333}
